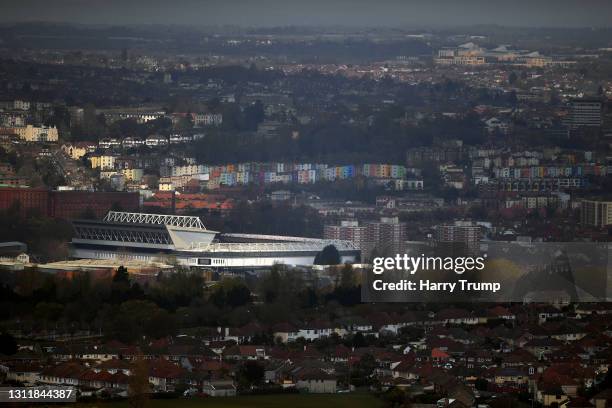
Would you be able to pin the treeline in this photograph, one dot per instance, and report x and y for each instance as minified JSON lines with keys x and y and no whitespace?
{"x":124,"y":309}
{"x":385,"y":141}
{"x":79,"y":86}
{"x":95,"y":126}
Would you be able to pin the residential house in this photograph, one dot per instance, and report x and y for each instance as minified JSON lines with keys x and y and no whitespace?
{"x":315,"y":381}
{"x":219,"y":388}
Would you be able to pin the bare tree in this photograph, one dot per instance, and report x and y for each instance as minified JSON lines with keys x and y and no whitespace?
{"x":138,"y":385}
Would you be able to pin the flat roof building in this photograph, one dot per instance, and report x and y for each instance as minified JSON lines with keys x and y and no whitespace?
{"x":594,"y":213}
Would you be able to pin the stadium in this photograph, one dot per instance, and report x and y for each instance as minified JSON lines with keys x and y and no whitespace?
{"x":155,"y":237}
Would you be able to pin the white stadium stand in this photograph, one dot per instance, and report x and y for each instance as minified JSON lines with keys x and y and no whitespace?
{"x":151,"y":237}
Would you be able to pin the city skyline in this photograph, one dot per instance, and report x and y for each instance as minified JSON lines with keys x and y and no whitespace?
{"x":380,"y":203}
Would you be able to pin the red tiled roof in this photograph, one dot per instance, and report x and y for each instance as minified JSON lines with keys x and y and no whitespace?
{"x":341,"y":351}
{"x":437,"y":353}
{"x":213,"y":365}
{"x":248,"y":350}
{"x":313,"y":374}
{"x":114,"y":363}
{"x":164,"y":369}
{"x":120,"y":378}
{"x":68,"y":369}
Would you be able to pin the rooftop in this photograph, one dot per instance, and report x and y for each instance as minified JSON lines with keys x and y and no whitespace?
{"x":160,"y":219}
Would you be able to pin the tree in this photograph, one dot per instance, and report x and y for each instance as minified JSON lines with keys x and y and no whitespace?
{"x":134,"y":319}
{"x":328,"y":256}
{"x":481,"y":384}
{"x":359,"y":340}
{"x":121,"y":275}
{"x":138,"y":384}
{"x":8,"y":344}
{"x":253,"y":115}
{"x":360,"y":375}
{"x":160,"y":324}
{"x":238,"y":295}
{"x":251,"y":374}
{"x":512,"y":78}
{"x":177,"y":289}
{"x":394,"y":397}
{"x":48,"y":311}
{"x":231,"y":292}
{"x":308,"y":297}
{"x":270,"y":284}
{"x":347,"y":276}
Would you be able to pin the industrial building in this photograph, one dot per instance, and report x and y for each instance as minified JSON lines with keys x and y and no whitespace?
{"x":66,"y":204}
{"x":186,"y":241}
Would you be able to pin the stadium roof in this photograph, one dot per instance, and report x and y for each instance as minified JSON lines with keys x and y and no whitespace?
{"x":184,"y":221}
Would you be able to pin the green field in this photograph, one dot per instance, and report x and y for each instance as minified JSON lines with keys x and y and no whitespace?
{"x":266,"y":401}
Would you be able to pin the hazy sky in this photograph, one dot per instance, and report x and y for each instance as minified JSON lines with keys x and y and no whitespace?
{"x":557,"y":13}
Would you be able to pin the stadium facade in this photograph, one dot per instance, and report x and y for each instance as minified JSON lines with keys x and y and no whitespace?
{"x":156,"y":237}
